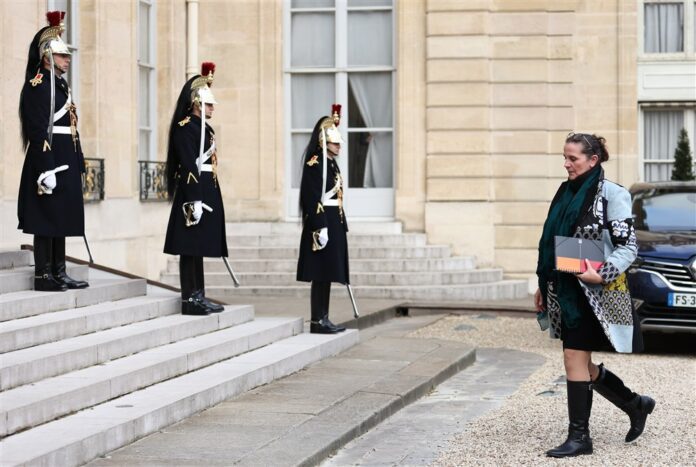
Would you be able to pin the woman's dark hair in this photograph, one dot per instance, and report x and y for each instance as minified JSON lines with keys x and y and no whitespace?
{"x":309,"y":151}
{"x":591,"y":144}
{"x":182,"y":109}
{"x":33,"y":64}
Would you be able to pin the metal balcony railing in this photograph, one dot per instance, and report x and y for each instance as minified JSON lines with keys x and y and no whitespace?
{"x":93,"y":181}
{"x":153,"y":181}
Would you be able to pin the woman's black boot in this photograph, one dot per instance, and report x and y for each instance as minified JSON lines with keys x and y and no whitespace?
{"x":637,"y":407}
{"x":579,"y":409}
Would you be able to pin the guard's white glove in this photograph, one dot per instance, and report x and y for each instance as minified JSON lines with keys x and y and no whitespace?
{"x":49,"y":181}
{"x":323,"y":238}
{"x":197,"y":210}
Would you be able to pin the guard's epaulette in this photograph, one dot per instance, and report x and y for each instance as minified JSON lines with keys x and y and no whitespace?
{"x":313,"y":161}
{"x":36,"y":80}
{"x":185,"y":121}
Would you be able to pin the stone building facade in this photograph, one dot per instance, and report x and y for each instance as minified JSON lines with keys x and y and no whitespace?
{"x":483,"y":93}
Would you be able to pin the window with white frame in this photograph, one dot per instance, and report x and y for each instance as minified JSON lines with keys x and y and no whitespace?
{"x":661,"y":128}
{"x":147,"y":90}
{"x":70,"y":37}
{"x":669,"y":27}
{"x":342,"y":51}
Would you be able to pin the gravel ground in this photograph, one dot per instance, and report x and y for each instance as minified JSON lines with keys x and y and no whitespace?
{"x":534,"y":418}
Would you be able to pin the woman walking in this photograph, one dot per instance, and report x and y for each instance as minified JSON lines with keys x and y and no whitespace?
{"x":591,"y":311}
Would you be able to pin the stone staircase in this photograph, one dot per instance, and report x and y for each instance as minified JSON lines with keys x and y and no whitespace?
{"x":385,"y":263}
{"x":85,"y":372}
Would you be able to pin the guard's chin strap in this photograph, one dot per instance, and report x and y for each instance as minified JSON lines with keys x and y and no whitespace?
{"x":323,"y":165}
{"x":53,"y":98}
{"x":199,"y":161}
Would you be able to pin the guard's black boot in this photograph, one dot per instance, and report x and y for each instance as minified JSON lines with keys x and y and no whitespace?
{"x":213,"y":307}
{"x":194,"y":306}
{"x":323,"y":326}
{"x":58,"y":266}
{"x":579,"y":408}
{"x":637,"y":407}
{"x":318,"y":324}
{"x":335,"y":327}
{"x":45,"y":282}
{"x":191,"y":303}
{"x":43,"y":277}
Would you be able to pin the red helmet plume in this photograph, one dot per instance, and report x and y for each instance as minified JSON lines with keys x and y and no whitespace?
{"x":207,"y":68}
{"x":54,"y":18}
{"x":336,"y":113}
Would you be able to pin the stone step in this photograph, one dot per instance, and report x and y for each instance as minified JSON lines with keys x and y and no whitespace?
{"x":22,"y":278}
{"x":55,"y":358}
{"x":472,"y":276}
{"x":81,"y":437}
{"x":25,"y":303}
{"x":457,"y":263}
{"x":374,"y":240}
{"x":302,"y":419}
{"x":283,"y":228}
{"x":50,"y":327}
{"x":46,"y":400}
{"x":396,"y":252}
{"x":498,"y":290}
{"x":15,"y":258}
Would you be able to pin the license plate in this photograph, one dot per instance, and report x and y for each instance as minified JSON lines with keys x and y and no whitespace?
{"x":682,"y":300}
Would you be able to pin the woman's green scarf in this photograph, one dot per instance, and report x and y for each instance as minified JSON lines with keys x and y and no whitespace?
{"x":564,"y":214}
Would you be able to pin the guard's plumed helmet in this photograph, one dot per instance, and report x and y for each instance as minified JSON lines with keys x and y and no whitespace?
{"x":200,"y":88}
{"x":329,"y":127}
{"x":50,"y":40}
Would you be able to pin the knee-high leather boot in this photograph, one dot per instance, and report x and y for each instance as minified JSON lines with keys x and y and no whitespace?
{"x":43,"y":277}
{"x":58,"y":266}
{"x":327,"y":303}
{"x":579,"y":409}
{"x":637,"y":407}
{"x":320,"y":323}
{"x":200,"y":287}
{"x":190,"y":301}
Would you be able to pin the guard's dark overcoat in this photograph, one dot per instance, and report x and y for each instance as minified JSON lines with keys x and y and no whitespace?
{"x":330,"y":263}
{"x":207,"y":238}
{"x":60,"y":214}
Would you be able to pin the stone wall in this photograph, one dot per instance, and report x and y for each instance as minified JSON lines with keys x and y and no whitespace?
{"x":506,"y":81}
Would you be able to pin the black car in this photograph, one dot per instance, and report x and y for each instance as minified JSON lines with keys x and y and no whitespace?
{"x":662,"y":281}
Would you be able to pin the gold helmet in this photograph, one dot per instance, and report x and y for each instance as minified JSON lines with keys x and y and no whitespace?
{"x":329,"y":127}
{"x":50,"y":41}
{"x":200,"y":88}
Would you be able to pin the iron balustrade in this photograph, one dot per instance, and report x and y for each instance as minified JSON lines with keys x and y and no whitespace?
{"x":153,"y":181}
{"x":93,"y":180}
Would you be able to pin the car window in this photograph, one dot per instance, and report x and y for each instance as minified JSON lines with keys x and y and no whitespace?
{"x":665,"y":211}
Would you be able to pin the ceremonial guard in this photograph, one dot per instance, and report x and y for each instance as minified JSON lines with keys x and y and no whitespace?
{"x":50,"y":204}
{"x":197,"y":221}
{"x":323,"y":245}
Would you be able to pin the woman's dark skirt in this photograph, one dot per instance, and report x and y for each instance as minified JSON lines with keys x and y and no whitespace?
{"x":588,"y":335}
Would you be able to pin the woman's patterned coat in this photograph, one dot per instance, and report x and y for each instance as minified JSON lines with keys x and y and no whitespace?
{"x":610,"y":220}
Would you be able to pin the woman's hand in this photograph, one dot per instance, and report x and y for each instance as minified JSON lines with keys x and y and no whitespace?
{"x":538,"y":300}
{"x":591,"y":276}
